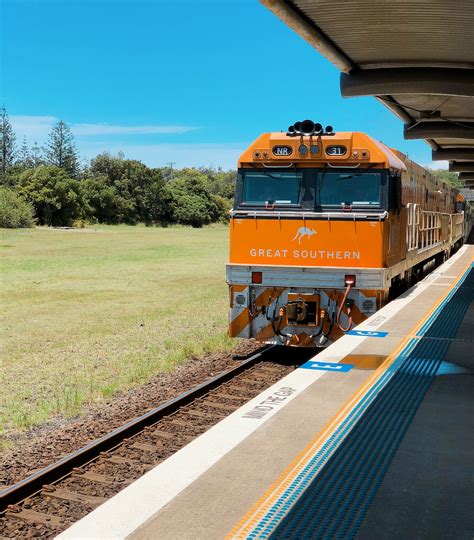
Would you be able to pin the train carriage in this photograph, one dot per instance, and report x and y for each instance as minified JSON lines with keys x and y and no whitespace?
{"x":325,"y":228}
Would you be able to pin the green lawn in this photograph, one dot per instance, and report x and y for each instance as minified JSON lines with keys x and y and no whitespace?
{"x":86,"y":313}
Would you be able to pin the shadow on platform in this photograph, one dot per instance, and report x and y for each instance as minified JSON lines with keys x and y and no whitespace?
{"x":428,"y":490}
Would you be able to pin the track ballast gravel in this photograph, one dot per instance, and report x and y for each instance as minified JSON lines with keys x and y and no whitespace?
{"x":38,"y":447}
{"x":57,"y":506}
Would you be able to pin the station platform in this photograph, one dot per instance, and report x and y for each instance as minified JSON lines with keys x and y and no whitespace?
{"x":372,"y":438}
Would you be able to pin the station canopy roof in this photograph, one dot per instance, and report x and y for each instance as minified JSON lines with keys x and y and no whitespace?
{"x":415,"y":56}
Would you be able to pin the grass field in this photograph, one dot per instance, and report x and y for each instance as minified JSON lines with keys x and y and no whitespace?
{"x":86,"y":313}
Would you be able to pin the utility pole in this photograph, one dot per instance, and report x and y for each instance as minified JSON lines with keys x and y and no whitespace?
{"x":171,"y":163}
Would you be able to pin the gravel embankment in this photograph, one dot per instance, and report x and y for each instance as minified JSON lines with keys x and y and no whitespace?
{"x":43,"y":445}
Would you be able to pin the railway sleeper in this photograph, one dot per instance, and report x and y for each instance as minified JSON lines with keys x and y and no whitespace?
{"x":245,"y":389}
{"x":172,"y":436}
{"x":264,"y":369}
{"x":187,"y":424}
{"x":221,"y":406}
{"x":118,"y":460}
{"x":206,"y":416}
{"x":254,"y":380}
{"x":66,"y":495}
{"x":221,"y":395}
{"x":99,"y":478}
{"x":251,"y":384}
{"x":31,"y":516}
{"x":145,"y":447}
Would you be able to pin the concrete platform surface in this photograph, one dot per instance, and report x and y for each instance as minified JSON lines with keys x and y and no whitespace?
{"x":251,"y":469}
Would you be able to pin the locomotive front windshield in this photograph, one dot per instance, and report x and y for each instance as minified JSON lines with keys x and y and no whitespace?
{"x":353,"y":189}
{"x":264,"y":188}
{"x":314,"y":189}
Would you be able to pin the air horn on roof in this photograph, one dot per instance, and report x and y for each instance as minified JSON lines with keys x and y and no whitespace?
{"x":309,"y":128}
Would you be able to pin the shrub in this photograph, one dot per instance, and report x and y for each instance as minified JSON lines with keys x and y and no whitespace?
{"x":126,"y":190}
{"x":14,"y":211}
{"x":191,"y":210}
{"x":101,"y":201}
{"x":191,"y":202}
{"x":56,"y":198}
{"x":223,"y":206}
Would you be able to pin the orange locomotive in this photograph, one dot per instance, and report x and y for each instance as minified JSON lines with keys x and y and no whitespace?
{"x":325,"y":227}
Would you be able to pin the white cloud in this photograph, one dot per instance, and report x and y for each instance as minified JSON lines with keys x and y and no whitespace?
{"x":36,"y":128}
{"x":108,"y":129}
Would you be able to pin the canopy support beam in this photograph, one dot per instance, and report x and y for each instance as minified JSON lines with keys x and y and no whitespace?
{"x":391,"y":81}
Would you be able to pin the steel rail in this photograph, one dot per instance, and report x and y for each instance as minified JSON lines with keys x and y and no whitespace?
{"x":27,"y":487}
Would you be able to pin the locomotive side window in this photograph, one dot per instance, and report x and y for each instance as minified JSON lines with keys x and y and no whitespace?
{"x":261,"y":188}
{"x":395,"y":193}
{"x":362,"y":189}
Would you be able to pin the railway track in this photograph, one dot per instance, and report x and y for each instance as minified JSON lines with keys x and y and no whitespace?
{"x":53,"y":498}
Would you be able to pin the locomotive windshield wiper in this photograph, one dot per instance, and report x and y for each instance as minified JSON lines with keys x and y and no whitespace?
{"x":271,"y":175}
{"x":348,"y":176}
{"x":354,"y":174}
{"x":320,"y":183}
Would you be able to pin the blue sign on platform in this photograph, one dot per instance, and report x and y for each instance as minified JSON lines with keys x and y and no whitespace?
{"x":327,"y":366}
{"x":367,"y":333}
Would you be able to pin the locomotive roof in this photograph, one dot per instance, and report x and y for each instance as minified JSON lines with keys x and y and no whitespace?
{"x":343,"y":148}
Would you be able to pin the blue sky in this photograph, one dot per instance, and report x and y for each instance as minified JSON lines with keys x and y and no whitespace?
{"x":187,"y":81}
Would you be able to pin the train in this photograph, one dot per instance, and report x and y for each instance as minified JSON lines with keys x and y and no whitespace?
{"x":326,"y":228}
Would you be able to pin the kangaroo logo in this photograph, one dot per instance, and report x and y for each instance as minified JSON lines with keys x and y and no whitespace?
{"x":302,"y":232}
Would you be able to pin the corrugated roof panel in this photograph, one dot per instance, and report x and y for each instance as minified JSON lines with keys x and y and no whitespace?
{"x":388,"y":32}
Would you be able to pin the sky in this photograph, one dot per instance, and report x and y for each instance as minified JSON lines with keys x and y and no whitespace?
{"x":182,"y":81}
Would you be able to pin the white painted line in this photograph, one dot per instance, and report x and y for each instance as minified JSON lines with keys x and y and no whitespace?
{"x":129,"y":509}
{"x":126,"y":511}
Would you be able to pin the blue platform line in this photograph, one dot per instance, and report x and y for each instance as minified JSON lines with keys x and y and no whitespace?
{"x":403,"y":366}
{"x":296,"y":488}
{"x":302,"y":480}
{"x":345,"y":485}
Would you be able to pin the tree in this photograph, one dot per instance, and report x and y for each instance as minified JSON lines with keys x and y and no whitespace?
{"x":108,"y":165}
{"x":139,"y":189}
{"x":36,"y":155}
{"x":102,"y":202}
{"x":14,"y":211}
{"x":191,"y":210}
{"x":191,"y":202}
{"x":61,"y":150}
{"x":450,"y":178}
{"x":24,"y":159}
{"x":220,"y":182}
{"x":56,"y":198}
{"x":7,"y":142}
